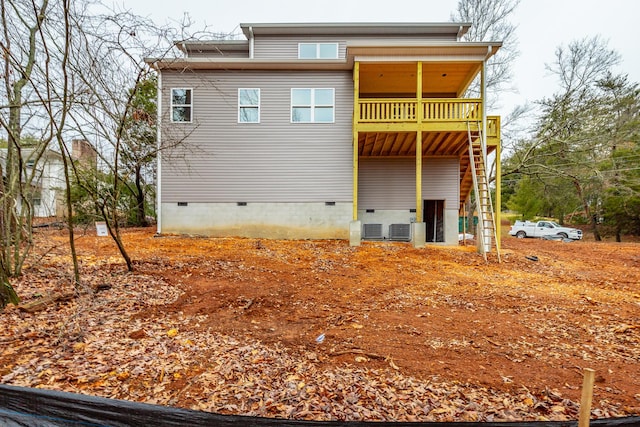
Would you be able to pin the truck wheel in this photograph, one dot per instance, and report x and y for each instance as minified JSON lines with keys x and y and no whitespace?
{"x":521,"y":234}
{"x":563,"y":235}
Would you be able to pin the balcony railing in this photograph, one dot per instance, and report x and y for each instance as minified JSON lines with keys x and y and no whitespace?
{"x":451,"y":110}
{"x":405,"y":110}
{"x":387,"y":110}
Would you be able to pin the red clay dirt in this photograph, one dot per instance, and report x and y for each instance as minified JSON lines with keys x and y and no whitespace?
{"x":437,"y":316}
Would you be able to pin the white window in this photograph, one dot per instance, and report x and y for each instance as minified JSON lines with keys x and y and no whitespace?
{"x":181,"y":105}
{"x":317,"y":50}
{"x":312,"y":105}
{"x":248,"y":105}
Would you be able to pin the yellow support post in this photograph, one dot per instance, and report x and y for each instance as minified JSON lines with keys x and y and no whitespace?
{"x":356,"y":120}
{"x":419,"y":144}
{"x":498,"y":193}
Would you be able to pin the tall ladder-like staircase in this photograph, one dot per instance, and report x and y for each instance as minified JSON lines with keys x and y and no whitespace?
{"x":487,"y":231}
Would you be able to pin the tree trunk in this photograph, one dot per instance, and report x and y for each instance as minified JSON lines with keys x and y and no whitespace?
{"x":7,"y":293}
{"x":141,"y":217}
{"x":596,"y":231}
{"x":114,"y":232}
{"x":587,"y":211}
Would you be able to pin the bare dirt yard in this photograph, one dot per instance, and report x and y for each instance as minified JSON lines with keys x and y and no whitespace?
{"x":320,"y":330}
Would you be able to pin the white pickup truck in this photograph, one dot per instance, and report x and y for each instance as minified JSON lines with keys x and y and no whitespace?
{"x":522,"y":229}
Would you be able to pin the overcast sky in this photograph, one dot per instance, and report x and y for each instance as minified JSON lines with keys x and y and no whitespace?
{"x":543,"y":25}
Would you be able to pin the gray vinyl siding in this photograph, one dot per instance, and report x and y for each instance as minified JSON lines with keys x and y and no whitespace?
{"x":286,"y":48}
{"x":391,"y":183}
{"x":441,"y":180}
{"x":386,"y":184}
{"x":271,"y":161}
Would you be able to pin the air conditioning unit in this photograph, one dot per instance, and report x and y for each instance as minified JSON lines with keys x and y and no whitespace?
{"x":372,"y":231}
{"x":400,"y":232}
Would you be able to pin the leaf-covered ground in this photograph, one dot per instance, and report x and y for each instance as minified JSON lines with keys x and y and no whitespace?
{"x":320,"y":330}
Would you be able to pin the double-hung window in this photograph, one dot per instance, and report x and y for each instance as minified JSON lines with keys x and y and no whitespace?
{"x":312,"y":105}
{"x":248,"y":105}
{"x":317,"y":50}
{"x":181,"y":105}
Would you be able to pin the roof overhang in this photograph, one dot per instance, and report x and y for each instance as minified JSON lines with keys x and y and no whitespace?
{"x":435,"y":52}
{"x":187,"y":46}
{"x":246,"y":64}
{"x":452,"y":29}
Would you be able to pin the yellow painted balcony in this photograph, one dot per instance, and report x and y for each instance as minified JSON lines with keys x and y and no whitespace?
{"x":434,"y":110}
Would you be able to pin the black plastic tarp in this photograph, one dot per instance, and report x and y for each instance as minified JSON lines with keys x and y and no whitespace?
{"x":29,"y":407}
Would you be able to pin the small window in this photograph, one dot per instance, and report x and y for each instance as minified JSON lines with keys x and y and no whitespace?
{"x":181,"y":105}
{"x":248,"y":105}
{"x":317,"y":50}
{"x":29,"y":163}
{"x":312,"y":105}
{"x":37,"y":201}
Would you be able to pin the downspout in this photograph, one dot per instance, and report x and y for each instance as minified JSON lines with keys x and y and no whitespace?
{"x":251,"y":43}
{"x":159,"y":155}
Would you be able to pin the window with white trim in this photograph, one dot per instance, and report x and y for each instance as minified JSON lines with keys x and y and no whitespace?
{"x":317,"y":50}
{"x":312,"y":105}
{"x":181,"y":105}
{"x":249,"y":105}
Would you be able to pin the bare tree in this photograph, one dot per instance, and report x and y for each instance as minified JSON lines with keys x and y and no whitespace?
{"x":115,"y":109}
{"x":22,"y":29}
{"x":490,"y":21}
{"x":41,"y":46}
{"x":70,"y":69}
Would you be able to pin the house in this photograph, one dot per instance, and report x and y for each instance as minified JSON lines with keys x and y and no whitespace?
{"x":327,"y":130}
{"x":44,"y":171}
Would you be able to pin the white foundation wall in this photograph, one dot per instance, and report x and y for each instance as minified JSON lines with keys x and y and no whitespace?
{"x":265,"y":220}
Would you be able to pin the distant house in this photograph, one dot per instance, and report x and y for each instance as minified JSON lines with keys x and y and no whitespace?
{"x":326,"y":130}
{"x":48,"y":184}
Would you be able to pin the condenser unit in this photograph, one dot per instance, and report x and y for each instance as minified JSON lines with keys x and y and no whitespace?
{"x":400,"y":232}
{"x":372,"y":231}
